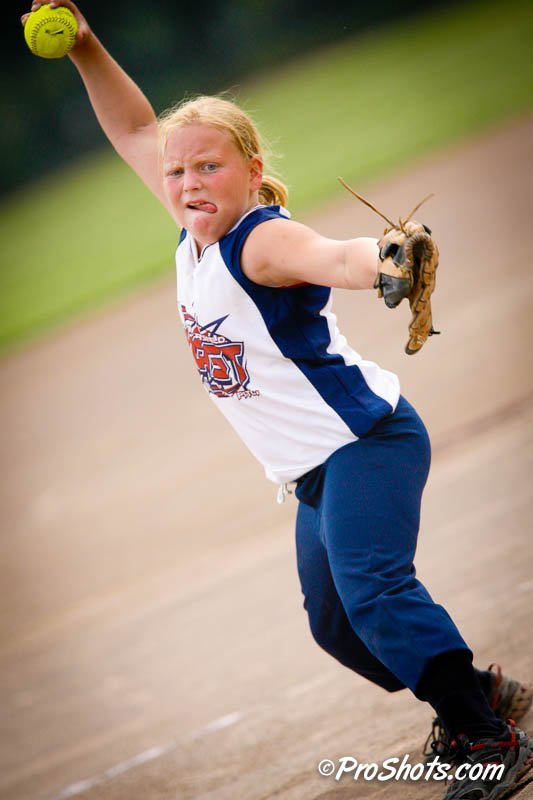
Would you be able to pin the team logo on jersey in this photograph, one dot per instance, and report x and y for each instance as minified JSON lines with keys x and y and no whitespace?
{"x":221,"y":362}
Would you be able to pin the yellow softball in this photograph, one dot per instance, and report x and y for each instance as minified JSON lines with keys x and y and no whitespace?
{"x":51,"y":32}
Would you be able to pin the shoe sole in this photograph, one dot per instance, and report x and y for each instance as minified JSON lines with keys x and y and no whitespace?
{"x":518,"y":777}
{"x":524,"y":780}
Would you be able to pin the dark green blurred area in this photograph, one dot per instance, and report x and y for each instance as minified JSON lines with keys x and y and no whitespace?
{"x":170,"y":49}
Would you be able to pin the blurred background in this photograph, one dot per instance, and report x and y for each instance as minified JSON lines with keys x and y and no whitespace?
{"x":347,"y":88}
{"x":170,"y":49}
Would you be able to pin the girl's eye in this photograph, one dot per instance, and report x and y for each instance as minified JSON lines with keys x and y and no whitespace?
{"x":209,"y":167}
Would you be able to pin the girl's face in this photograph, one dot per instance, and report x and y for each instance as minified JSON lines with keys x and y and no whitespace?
{"x":208,"y":181}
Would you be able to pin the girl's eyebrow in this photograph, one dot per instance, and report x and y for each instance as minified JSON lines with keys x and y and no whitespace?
{"x":172,"y":164}
{"x":212,"y":156}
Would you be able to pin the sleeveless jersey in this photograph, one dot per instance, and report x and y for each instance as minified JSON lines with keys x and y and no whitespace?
{"x":273,"y":359}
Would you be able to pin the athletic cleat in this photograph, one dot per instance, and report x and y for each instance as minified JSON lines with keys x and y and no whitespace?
{"x":497,"y":765}
{"x":509,"y":699}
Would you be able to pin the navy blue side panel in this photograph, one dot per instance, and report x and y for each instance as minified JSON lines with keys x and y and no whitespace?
{"x":292,"y":316}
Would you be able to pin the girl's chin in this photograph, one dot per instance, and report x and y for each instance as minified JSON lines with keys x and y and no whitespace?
{"x":206,"y":228}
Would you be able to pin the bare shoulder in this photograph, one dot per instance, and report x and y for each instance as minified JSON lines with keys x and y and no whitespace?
{"x":275,"y":249}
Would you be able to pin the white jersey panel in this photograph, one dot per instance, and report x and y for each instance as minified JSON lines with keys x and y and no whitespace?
{"x":379,"y":380}
{"x":273,"y":360}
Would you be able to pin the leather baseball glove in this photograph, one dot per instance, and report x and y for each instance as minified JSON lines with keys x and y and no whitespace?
{"x":409,"y":258}
{"x":408,"y":261}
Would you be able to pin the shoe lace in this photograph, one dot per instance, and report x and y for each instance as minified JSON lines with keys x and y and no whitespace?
{"x":485,"y":750}
{"x":510,"y":742}
{"x":438,"y":741}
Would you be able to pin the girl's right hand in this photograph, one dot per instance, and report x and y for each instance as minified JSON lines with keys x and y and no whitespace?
{"x":84,"y":30}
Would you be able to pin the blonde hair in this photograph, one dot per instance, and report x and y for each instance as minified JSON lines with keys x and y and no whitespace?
{"x":227,"y":116}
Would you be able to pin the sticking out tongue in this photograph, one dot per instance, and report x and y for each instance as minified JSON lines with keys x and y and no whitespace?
{"x":209,"y":208}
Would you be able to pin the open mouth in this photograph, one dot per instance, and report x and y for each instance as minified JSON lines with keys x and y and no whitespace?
{"x":202,"y":205}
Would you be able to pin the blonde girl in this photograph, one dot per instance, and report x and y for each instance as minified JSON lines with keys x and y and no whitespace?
{"x":254,"y":297}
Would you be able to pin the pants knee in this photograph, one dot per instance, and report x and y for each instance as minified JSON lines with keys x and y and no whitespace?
{"x":332,"y":631}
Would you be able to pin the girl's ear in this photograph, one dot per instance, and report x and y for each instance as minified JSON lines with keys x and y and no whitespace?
{"x":256,"y":172}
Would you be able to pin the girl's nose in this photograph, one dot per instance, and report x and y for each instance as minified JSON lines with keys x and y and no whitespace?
{"x":191,"y":180}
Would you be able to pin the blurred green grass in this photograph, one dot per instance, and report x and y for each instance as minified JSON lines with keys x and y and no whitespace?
{"x":74,"y":240}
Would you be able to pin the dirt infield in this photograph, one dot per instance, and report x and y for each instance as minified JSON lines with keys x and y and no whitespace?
{"x":153,"y":645}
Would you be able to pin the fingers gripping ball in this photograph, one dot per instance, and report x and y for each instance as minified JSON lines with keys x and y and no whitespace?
{"x":51,"y":32}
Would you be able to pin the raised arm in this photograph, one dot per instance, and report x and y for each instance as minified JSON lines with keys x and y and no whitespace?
{"x":124,"y":113}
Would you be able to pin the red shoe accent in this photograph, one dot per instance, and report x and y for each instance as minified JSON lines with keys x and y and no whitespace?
{"x":498,"y":745}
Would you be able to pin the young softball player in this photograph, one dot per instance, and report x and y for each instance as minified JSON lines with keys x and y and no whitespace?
{"x":254,"y":296}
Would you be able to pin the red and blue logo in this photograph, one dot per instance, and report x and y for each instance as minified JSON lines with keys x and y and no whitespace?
{"x":221,"y":362}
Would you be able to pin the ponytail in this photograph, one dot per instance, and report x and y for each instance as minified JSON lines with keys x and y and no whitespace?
{"x":273,"y":192}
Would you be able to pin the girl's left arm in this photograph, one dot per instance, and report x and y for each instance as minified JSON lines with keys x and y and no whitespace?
{"x":281,"y":252}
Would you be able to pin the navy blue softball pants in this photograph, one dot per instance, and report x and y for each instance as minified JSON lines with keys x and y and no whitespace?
{"x":356,"y":534}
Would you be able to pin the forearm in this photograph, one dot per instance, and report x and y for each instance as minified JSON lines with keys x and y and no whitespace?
{"x":361,"y":258}
{"x":120,"y":106}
